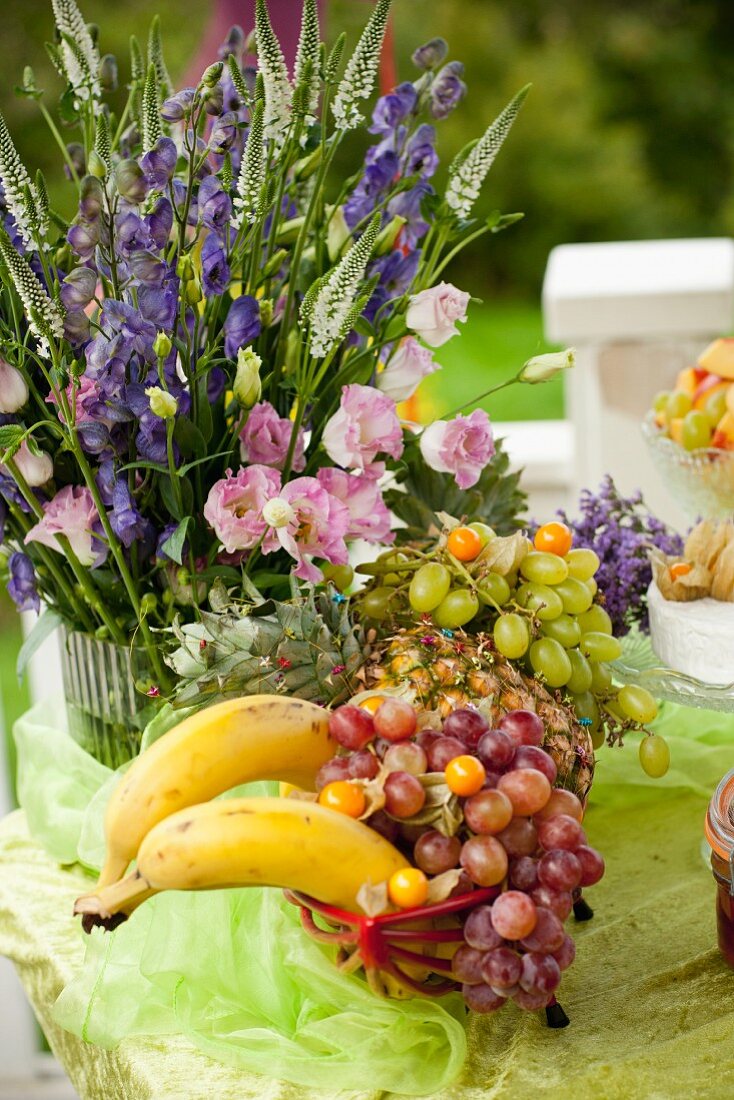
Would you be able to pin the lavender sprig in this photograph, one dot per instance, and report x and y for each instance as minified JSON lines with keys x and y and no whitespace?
{"x":621,"y":530}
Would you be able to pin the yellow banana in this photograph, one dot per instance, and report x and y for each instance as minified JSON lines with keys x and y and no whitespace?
{"x":255,"y":737}
{"x":285,"y":842}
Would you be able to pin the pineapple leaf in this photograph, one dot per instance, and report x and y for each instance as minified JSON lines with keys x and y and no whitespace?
{"x":496,"y":498}
{"x":305,"y":647}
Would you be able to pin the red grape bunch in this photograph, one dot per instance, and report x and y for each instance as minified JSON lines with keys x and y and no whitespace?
{"x":509,"y":829}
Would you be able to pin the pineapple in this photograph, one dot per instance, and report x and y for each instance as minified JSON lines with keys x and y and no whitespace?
{"x":439,"y":673}
{"x":308,"y":647}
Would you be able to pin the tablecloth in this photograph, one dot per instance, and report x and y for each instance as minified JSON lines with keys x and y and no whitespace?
{"x":650,"y":999}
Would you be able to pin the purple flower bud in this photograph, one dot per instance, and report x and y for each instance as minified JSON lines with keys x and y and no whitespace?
{"x":83,"y":238}
{"x":160,"y":163}
{"x":447,"y":90}
{"x":22,"y":583}
{"x":108,"y":73}
{"x":178,"y":106}
{"x":91,"y":198}
{"x":76,"y":156}
{"x":420,"y":157}
{"x":390,"y":110}
{"x":77,"y":289}
{"x":431,"y":54}
{"x":125,"y":519}
{"x":76,"y":327}
{"x":242,"y":325}
{"x":234,"y":43}
{"x":223,"y":133}
{"x":131,"y":182}
{"x":213,"y":99}
{"x":215,"y":206}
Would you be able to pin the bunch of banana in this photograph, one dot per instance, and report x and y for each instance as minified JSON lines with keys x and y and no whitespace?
{"x":161,"y":817}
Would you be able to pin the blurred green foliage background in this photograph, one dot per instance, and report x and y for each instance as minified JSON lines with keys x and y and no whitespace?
{"x":627,"y":133}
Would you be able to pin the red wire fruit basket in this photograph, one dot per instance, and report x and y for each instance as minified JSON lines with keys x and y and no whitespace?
{"x":382,"y":945}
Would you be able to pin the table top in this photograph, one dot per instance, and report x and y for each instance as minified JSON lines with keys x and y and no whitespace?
{"x":650,"y":999}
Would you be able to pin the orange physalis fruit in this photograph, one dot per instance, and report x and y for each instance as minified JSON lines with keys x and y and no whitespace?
{"x":373,"y":703}
{"x":465,"y":775}
{"x":344,"y":797}
{"x":679,"y":569}
{"x":464,"y":543}
{"x":553,"y":538}
{"x":407,"y":888}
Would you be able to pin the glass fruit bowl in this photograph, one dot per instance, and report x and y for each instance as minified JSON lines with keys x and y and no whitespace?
{"x":701,"y":481}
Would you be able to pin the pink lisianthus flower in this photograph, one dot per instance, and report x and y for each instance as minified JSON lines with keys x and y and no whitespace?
{"x":462,"y":446}
{"x":235,"y":503}
{"x":365,"y":425}
{"x":405,"y":371}
{"x":71,"y":513}
{"x":433,"y":313}
{"x":87,"y":395}
{"x":369,"y":517}
{"x":266,"y":437}
{"x":308,"y":522}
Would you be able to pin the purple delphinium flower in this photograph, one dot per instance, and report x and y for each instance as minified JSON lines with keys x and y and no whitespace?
{"x":408,"y":205}
{"x":447,"y":90}
{"x":214,"y":266}
{"x":215,"y":205}
{"x":159,"y":163}
{"x":22,"y":583}
{"x":379,"y":173}
{"x":242,"y":325}
{"x":125,"y":519}
{"x":420,"y":157}
{"x":621,"y":530}
{"x":392,"y":109}
{"x":177,"y":106}
{"x":77,"y":289}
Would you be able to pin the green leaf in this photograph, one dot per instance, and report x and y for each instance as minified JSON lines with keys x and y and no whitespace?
{"x":11,"y":435}
{"x":173,"y":546}
{"x":496,"y":498}
{"x":169,"y":497}
{"x":190,"y":440}
{"x":159,"y":467}
{"x":68,"y":112}
{"x":44,"y":625}
{"x":197,"y":462}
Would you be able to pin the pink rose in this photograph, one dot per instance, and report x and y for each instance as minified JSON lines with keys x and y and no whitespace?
{"x":266,"y":437}
{"x":407,"y":368}
{"x":365,"y":426}
{"x":434,"y":312}
{"x":462,"y":446}
{"x":71,"y":513}
{"x":234,"y":506}
{"x":369,"y":517}
{"x":307,"y":520}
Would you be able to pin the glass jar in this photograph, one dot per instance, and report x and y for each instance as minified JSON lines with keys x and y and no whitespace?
{"x":720,"y":835}
{"x":105,"y":710}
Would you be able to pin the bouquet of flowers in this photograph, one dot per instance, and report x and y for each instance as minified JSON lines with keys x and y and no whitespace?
{"x":200,"y":375}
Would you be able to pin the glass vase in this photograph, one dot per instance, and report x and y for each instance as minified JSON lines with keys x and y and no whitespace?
{"x":106,"y":713}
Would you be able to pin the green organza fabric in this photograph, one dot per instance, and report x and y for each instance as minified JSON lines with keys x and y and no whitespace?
{"x":651,"y":1001}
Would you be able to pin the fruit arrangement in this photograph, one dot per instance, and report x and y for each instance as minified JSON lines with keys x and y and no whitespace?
{"x":535,"y":628}
{"x":453,"y":839}
{"x":699,"y":411}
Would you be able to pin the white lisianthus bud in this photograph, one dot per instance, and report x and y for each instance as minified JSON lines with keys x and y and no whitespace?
{"x":247,"y":386}
{"x":278,"y":512}
{"x":162,"y":403}
{"x":542,"y":367}
{"x":162,"y":345}
{"x":13,"y":388}
{"x":36,"y":469}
